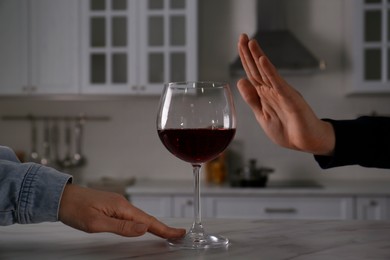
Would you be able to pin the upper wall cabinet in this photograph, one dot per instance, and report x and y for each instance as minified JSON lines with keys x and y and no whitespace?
{"x":39,"y":47}
{"x":371,"y":46}
{"x":54,"y":45}
{"x":13,"y":46}
{"x":96,"y":46}
{"x":135,"y":46}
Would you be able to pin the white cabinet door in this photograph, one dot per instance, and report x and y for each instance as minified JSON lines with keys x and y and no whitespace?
{"x":54,"y":32}
{"x":184,"y":207}
{"x":280,"y":207}
{"x":134,"y":47}
{"x":372,"y":208}
{"x":13,"y":46}
{"x":168,"y":43}
{"x":109,"y":46}
{"x":39,"y":47}
{"x":369,"y":23}
{"x":158,"y":206}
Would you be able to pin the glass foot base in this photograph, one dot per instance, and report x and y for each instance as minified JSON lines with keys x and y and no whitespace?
{"x":199,"y":241}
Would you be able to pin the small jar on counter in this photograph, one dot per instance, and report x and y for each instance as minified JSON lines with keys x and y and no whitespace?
{"x":216,"y":170}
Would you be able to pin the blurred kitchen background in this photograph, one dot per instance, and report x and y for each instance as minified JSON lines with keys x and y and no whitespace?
{"x":126,"y":144}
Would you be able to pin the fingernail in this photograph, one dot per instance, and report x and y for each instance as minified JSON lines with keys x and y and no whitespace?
{"x":140,"y":228}
{"x":180,"y":232}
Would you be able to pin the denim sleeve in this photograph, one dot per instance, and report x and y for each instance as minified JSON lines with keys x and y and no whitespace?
{"x":29,"y":192}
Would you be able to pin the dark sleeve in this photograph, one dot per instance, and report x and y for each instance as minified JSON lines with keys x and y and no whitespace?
{"x":364,"y":141}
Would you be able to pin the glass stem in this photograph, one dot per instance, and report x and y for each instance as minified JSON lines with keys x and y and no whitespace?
{"x":197,"y":227}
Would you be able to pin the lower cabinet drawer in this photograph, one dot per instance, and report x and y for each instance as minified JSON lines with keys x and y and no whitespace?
{"x":372,"y":208}
{"x":248,"y":207}
{"x":280,"y":208}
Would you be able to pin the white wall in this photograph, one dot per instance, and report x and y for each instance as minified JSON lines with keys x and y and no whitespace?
{"x":128,"y":144}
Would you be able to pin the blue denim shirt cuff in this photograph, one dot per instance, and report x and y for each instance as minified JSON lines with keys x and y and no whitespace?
{"x":40,"y":194}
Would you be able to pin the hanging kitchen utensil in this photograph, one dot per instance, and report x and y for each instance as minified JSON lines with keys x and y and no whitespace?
{"x":34,"y":156}
{"x":55,"y":139}
{"x":45,"y":160}
{"x":67,"y":161}
{"x":78,"y":158}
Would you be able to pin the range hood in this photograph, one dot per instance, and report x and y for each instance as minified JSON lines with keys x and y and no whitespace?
{"x":284,"y":50}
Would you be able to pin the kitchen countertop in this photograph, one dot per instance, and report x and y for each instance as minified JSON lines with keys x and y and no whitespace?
{"x":250,"y":239}
{"x":185,"y":187}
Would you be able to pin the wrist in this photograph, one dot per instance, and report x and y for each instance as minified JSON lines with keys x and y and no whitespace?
{"x":65,"y":203}
{"x":328,"y":140}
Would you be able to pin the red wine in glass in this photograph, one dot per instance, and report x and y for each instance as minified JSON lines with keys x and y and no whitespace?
{"x":196,"y":145}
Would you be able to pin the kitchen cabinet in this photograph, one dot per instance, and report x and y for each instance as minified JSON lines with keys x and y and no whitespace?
{"x":183,"y":207}
{"x":54,"y":46}
{"x":373,"y":208}
{"x":158,"y":206}
{"x":274,"y":207}
{"x":290,"y":207}
{"x":39,"y":47}
{"x":96,"y":46}
{"x":167,"y":206}
{"x":13,"y":46}
{"x":337,"y":201}
{"x":369,"y":31}
{"x":135,"y":46}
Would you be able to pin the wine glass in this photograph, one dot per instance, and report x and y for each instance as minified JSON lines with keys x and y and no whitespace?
{"x":196,"y":122}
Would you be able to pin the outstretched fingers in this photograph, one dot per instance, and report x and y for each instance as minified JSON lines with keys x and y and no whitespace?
{"x":248,"y":62}
{"x":120,"y":227}
{"x":160,"y":229}
{"x":250,"y":95}
{"x":155,"y":226}
{"x":257,"y":53}
{"x":270,"y":73}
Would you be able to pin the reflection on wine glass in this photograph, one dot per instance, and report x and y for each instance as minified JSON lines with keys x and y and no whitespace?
{"x":196,"y":122}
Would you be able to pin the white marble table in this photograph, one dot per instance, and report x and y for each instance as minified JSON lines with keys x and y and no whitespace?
{"x":250,"y":239}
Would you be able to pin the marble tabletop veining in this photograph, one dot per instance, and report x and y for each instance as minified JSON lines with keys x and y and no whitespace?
{"x":250,"y":239}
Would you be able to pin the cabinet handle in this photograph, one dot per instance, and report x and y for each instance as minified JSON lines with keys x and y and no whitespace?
{"x":280,"y":210}
{"x":138,"y":88}
{"x":189,"y":203}
{"x":373,"y":203}
{"x":29,"y":89}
